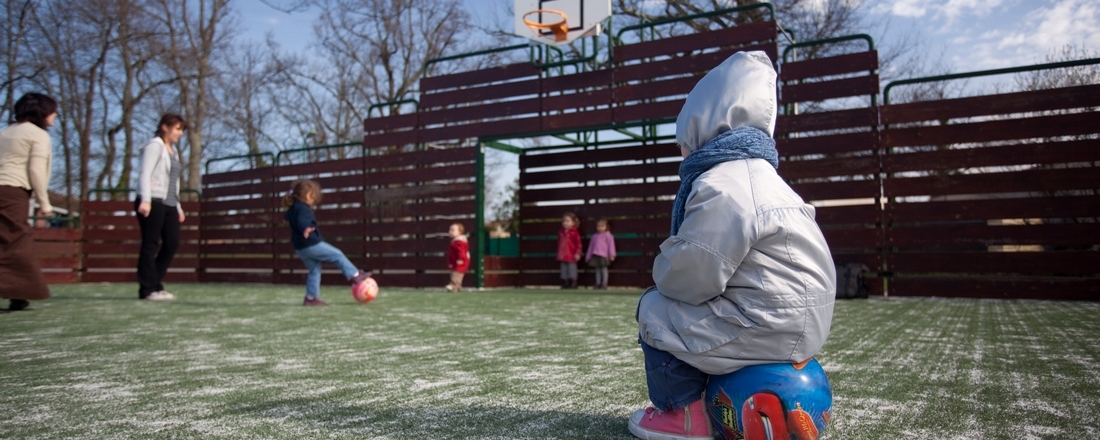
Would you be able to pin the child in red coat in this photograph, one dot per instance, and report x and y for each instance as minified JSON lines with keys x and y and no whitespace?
{"x":458,"y":257}
{"x":569,"y":249}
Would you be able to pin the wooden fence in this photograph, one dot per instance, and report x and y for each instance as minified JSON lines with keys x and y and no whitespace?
{"x":989,"y":196}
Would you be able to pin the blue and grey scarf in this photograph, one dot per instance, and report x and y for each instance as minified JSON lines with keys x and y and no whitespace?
{"x":739,"y":143}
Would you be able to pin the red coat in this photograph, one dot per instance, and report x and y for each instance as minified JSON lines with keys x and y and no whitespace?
{"x":458,"y":258}
{"x":569,"y":245}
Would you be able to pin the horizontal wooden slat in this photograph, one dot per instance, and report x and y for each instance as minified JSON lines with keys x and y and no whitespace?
{"x":601,"y":174}
{"x":601,"y":155}
{"x":1019,"y":102}
{"x":483,"y":129}
{"x":591,"y":118}
{"x":742,"y":34}
{"x":1059,"y":234}
{"x":599,"y":192}
{"x":501,"y":263}
{"x":214,"y":249}
{"x":61,"y":277}
{"x":247,"y":175}
{"x":576,"y":81}
{"x":829,"y":144}
{"x":1053,"y":289}
{"x":1024,"y":154}
{"x":837,"y":88}
{"x":831,"y":120}
{"x":480,"y":112}
{"x":656,"y":89}
{"x":1014,"y":208}
{"x":392,"y":122}
{"x":228,"y":277}
{"x":847,"y":166}
{"x":492,"y":74}
{"x":429,"y":102}
{"x":852,"y":214}
{"x":682,"y":65}
{"x":265,"y":188}
{"x":853,"y":238}
{"x":286,"y":174}
{"x":647,"y":244}
{"x":853,"y":189}
{"x":400,"y":138}
{"x":403,"y":193}
{"x":577,"y":101}
{"x":988,"y":131}
{"x":656,"y":111}
{"x":1032,"y":263}
{"x":133,"y":248}
{"x":57,"y":234}
{"x":620,"y":263}
{"x":59,"y":263}
{"x":599,"y":210}
{"x":56,"y":247}
{"x":179,"y":262}
{"x":1006,"y":182}
{"x":491,"y":280}
{"x":837,"y":65}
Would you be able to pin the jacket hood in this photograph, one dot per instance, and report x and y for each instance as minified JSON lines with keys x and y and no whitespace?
{"x":739,"y":92}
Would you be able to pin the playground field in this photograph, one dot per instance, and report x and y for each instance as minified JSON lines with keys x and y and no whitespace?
{"x":247,"y":361}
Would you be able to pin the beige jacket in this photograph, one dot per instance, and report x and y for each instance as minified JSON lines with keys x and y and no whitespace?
{"x":25,"y":154}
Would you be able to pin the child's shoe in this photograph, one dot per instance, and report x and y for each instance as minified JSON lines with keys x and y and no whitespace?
{"x":308,"y":302}
{"x":688,"y":423}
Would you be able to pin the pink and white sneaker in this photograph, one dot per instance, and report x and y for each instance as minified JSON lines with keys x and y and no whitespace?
{"x":689,"y":423}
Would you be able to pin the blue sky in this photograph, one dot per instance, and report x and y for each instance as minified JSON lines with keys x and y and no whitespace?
{"x":963,"y":35}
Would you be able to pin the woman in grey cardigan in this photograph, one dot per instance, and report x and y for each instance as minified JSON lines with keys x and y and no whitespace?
{"x":25,"y":154}
{"x":745,"y":277}
{"x":158,"y":207}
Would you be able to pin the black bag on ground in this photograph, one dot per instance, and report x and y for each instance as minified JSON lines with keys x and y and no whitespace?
{"x":851,"y":281}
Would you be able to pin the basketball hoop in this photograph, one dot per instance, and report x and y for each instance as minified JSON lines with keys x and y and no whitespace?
{"x":559,"y":29}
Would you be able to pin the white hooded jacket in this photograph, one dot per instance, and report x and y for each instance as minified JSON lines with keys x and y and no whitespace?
{"x":748,"y":279}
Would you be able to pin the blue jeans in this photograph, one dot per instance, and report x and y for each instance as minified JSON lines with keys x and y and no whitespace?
{"x":319,"y":253}
{"x":673,"y":384}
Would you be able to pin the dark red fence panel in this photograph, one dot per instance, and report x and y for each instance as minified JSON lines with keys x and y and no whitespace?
{"x":630,"y":185}
{"x":59,"y":252}
{"x":828,"y":145}
{"x":995,"y":195}
{"x":238,"y":215}
{"x":112,"y":241}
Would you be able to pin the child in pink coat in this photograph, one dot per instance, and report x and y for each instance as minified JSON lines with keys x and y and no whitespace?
{"x":601,"y":252}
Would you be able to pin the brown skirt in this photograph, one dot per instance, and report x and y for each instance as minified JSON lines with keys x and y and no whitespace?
{"x":18,"y":262}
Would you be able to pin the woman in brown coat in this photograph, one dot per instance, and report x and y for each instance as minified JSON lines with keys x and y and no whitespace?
{"x":25,"y":154}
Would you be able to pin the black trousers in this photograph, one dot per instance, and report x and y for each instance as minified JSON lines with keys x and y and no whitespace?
{"x":160,"y":238}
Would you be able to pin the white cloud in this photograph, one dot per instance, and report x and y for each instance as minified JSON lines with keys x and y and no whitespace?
{"x":955,"y":9}
{"x":908,"y":8}
{"x":1067,"y":22}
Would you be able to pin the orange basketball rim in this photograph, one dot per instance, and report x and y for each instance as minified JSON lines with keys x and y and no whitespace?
{"x":559,"y":29}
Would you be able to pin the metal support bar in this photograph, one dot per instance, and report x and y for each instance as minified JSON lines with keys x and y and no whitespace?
{"x":868,"y":38}
{"x":576,"y":142}
{"x":242,"y":156}
{"x":479,"y":218}
{"x":497,"y":145}
{"x":314,"y":148}
{"x":640,"y":137}
{"x":1074,"y":63}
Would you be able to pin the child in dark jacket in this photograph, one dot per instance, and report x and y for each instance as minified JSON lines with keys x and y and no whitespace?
{"x":309,"y":245}
{"x":458,"y":256}
{"x":569,"y":249}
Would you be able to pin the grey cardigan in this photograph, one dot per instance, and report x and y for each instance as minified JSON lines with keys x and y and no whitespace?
{"x":156,"y":167}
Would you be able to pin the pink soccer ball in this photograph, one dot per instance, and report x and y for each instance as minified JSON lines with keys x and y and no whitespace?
{"x":365,"y":291}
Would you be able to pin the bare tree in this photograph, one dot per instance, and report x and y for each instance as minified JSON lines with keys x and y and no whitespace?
{"x":77,"y":41}
{"x":198,"y":30}
{"x":246,"y":107}
{"x":19,"y":67}
{"x":373,"y":52}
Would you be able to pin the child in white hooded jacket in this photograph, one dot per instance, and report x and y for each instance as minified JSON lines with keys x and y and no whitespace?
{"x":745,"y":277}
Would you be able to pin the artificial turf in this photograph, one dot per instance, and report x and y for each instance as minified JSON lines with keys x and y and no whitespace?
{"x":248,"y":361}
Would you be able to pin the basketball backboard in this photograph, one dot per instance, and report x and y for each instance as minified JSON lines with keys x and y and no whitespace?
{"x":560,"y":22}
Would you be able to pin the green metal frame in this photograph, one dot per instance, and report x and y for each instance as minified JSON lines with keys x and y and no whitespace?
{"x":479,"y":217}
{"x":770,"y":7}
{"x":242,"y":156}
{"x":397,"y":102}
{"x":1033,"y":67}
{"x":314,"y":148}
{"x":870,"y":43}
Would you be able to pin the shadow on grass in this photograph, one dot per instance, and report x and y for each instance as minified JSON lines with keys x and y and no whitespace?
{"x":442,"y":422}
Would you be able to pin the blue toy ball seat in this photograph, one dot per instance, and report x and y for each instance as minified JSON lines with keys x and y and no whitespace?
{"x":771,"y":402}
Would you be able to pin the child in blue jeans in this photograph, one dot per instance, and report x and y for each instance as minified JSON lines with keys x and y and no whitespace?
{"x":309,"y":245}
{"x":745,"y":277}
